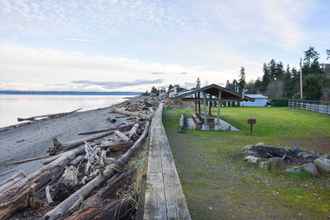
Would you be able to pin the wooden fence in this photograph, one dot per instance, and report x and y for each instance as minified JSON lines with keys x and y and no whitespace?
{"x":314,"y":106}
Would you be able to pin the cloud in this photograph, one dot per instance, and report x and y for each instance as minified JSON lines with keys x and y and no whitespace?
{"x":118,"y":84}
{"x":53,"y":69}
{"x":82,"y":40}
{"x":158,"y":73}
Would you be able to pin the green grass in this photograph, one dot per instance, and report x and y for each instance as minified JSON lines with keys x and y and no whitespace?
{"x":218,"y":184}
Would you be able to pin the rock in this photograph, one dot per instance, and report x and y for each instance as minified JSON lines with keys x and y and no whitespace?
{"x":306,"y":155}
{"x":252,"y":159}
{"x":264,"y":164}
{"x":323,"y":164}
{"x":295,"y":150}
{"x":295,"y":170}
{"x":247,"y":147}
{"x":311,"y":169}
{"x":276,"y":163}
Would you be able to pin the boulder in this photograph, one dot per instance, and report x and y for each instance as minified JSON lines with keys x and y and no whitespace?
{"x":306,"y":155}
{"x":295,"y":150}
{"x":276,"y":163}
{"x":323,"y":164}
{"x":252,"y":159}
{"x":247,"y":147}
{"x":311,"y":169}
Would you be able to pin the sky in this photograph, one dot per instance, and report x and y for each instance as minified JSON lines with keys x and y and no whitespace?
{"x":131,"y":45}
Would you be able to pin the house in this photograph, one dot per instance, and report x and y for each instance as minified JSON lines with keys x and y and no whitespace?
{"x":176,"y":90}
{"x":325,"y":67}
{"x":259,"y":101}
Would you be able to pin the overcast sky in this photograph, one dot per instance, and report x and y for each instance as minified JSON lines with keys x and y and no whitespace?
{"x":130,"y":45}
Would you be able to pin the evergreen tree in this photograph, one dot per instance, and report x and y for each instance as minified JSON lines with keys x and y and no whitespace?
{"x":241,"y":81}
{"x":170,"y":87}
{"x":266,"y":78}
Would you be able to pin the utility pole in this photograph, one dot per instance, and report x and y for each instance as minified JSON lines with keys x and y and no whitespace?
{"x":301,"y":81}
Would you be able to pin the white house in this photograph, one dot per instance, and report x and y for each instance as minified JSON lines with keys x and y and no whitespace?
{"x":259,"y":100}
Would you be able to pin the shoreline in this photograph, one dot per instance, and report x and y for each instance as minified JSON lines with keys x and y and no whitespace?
{"x":31,"y":139}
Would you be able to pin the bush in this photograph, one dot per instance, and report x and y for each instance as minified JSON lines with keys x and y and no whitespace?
{"x":279,"y":102}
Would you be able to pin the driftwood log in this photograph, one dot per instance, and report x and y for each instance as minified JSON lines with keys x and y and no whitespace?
{"x":122,"y":136}
{"x":77,"y":197}
{"x":116,"y":209}
{"x":17,"y":193}
{"x":128,"y":113}
{"x":122,"y":127}
{"x":116,"y":146}
{"x":57,"y":115}
{"x":133,"y":131}
{"x":57,"y":146}
{"x":27,"y":160}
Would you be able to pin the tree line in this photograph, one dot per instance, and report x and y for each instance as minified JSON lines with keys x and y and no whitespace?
{"x":279,"y":82}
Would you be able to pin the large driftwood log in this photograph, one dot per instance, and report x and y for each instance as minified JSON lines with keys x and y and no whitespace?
{"x":57,"y":146}
{"x":18,"y":193}
{"x":136,"y":114}
{"x":116,"y":146}
{"x":122,"y":136}
{"x":116,"y":209}
{"x":12,"y":180}
{"x":27,"y":160}
{"x":76,"y":198}
{"x":57,"y":115}
{"x":122,"y":127}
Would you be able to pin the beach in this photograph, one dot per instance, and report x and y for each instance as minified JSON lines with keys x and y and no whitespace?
{"x":33,"y":140}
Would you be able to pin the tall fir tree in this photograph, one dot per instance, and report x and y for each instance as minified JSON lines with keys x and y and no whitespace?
{"x":241,"y":81}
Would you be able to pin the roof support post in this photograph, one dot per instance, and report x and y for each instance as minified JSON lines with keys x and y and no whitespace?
{"x":199,"y":103}
{"x":195,"y":102}
{"x":217,"y":124}
{"x":205,"y":126}
{"x":210,"y":106}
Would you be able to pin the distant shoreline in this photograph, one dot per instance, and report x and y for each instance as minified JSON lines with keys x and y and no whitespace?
{"x":21,"y":92}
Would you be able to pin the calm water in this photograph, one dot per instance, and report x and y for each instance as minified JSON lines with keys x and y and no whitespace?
{"x":13,"y":106}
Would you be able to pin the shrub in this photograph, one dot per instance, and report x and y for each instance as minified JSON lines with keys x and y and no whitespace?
{"x":279,"y":102}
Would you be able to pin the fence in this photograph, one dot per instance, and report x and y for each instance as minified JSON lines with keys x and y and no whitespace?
{"x":315,"y":106}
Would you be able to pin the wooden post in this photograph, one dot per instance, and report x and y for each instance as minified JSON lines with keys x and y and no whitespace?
{"x":217,"y":124}
{"x":195,"y":101}
{"x":205,"y":126}
{"x":199,"y":103}
{"x":210,"y":105}
{"x":219,"y":103}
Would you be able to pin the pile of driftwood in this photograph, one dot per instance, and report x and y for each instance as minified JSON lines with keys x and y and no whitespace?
{"x":83,"y":172}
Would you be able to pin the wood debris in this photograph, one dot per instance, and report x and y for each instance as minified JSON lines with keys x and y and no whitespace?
{"x":74,"y":172}
{"x":57,"y":115}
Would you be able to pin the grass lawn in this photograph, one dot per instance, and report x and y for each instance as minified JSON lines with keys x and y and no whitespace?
{"x":218,"y":184}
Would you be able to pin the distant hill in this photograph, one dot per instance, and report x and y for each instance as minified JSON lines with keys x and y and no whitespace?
{"x":21,"y":92}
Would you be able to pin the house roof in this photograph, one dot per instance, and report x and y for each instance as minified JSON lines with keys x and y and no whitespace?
{"x":214,"y":90}
{"x":257,"y":96}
